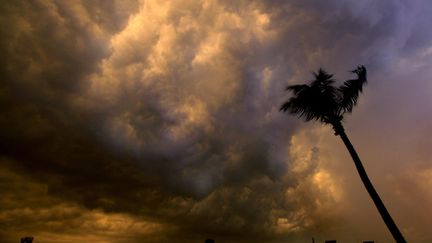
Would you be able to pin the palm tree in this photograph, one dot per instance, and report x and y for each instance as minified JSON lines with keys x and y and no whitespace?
{"x":322,"y":101}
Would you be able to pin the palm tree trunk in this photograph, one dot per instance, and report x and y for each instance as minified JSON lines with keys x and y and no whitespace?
{"x":397,"y":235}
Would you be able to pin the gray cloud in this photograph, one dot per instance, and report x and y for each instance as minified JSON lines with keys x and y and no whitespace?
{"x":164,"y":115}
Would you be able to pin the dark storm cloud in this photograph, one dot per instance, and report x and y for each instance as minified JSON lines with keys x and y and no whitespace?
{"x":165,"y":114}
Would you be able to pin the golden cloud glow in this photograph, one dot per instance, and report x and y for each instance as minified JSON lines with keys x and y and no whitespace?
{"x":158,"y":120}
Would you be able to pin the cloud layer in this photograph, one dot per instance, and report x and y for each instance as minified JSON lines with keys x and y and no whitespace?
{"x":125,"y":121}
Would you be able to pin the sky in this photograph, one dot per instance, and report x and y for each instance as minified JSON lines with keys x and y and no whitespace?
{"x":158,"y":121}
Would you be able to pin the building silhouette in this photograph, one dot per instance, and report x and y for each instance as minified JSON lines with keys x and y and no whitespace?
{"x":27,"y":239}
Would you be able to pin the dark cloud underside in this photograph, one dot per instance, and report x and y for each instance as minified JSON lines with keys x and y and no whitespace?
{"x":131,"y":121}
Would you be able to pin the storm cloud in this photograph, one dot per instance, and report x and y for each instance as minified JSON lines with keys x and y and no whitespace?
{"x":131,"y":121}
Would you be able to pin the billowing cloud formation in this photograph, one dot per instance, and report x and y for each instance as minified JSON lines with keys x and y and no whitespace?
{"x":130,"y":121}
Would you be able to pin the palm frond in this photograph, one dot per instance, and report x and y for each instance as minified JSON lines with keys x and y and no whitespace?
{"x":296,"y":89}
{"x":322,"y":78}
{"x":351,"y":89}
{"x":299,"y":103}
{"x":317,"y":101}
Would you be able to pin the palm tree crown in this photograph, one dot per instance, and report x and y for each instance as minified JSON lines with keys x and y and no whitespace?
{"x":321,"y":100}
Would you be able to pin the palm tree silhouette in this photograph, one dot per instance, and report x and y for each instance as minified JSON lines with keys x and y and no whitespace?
{"x":324,"y":102}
